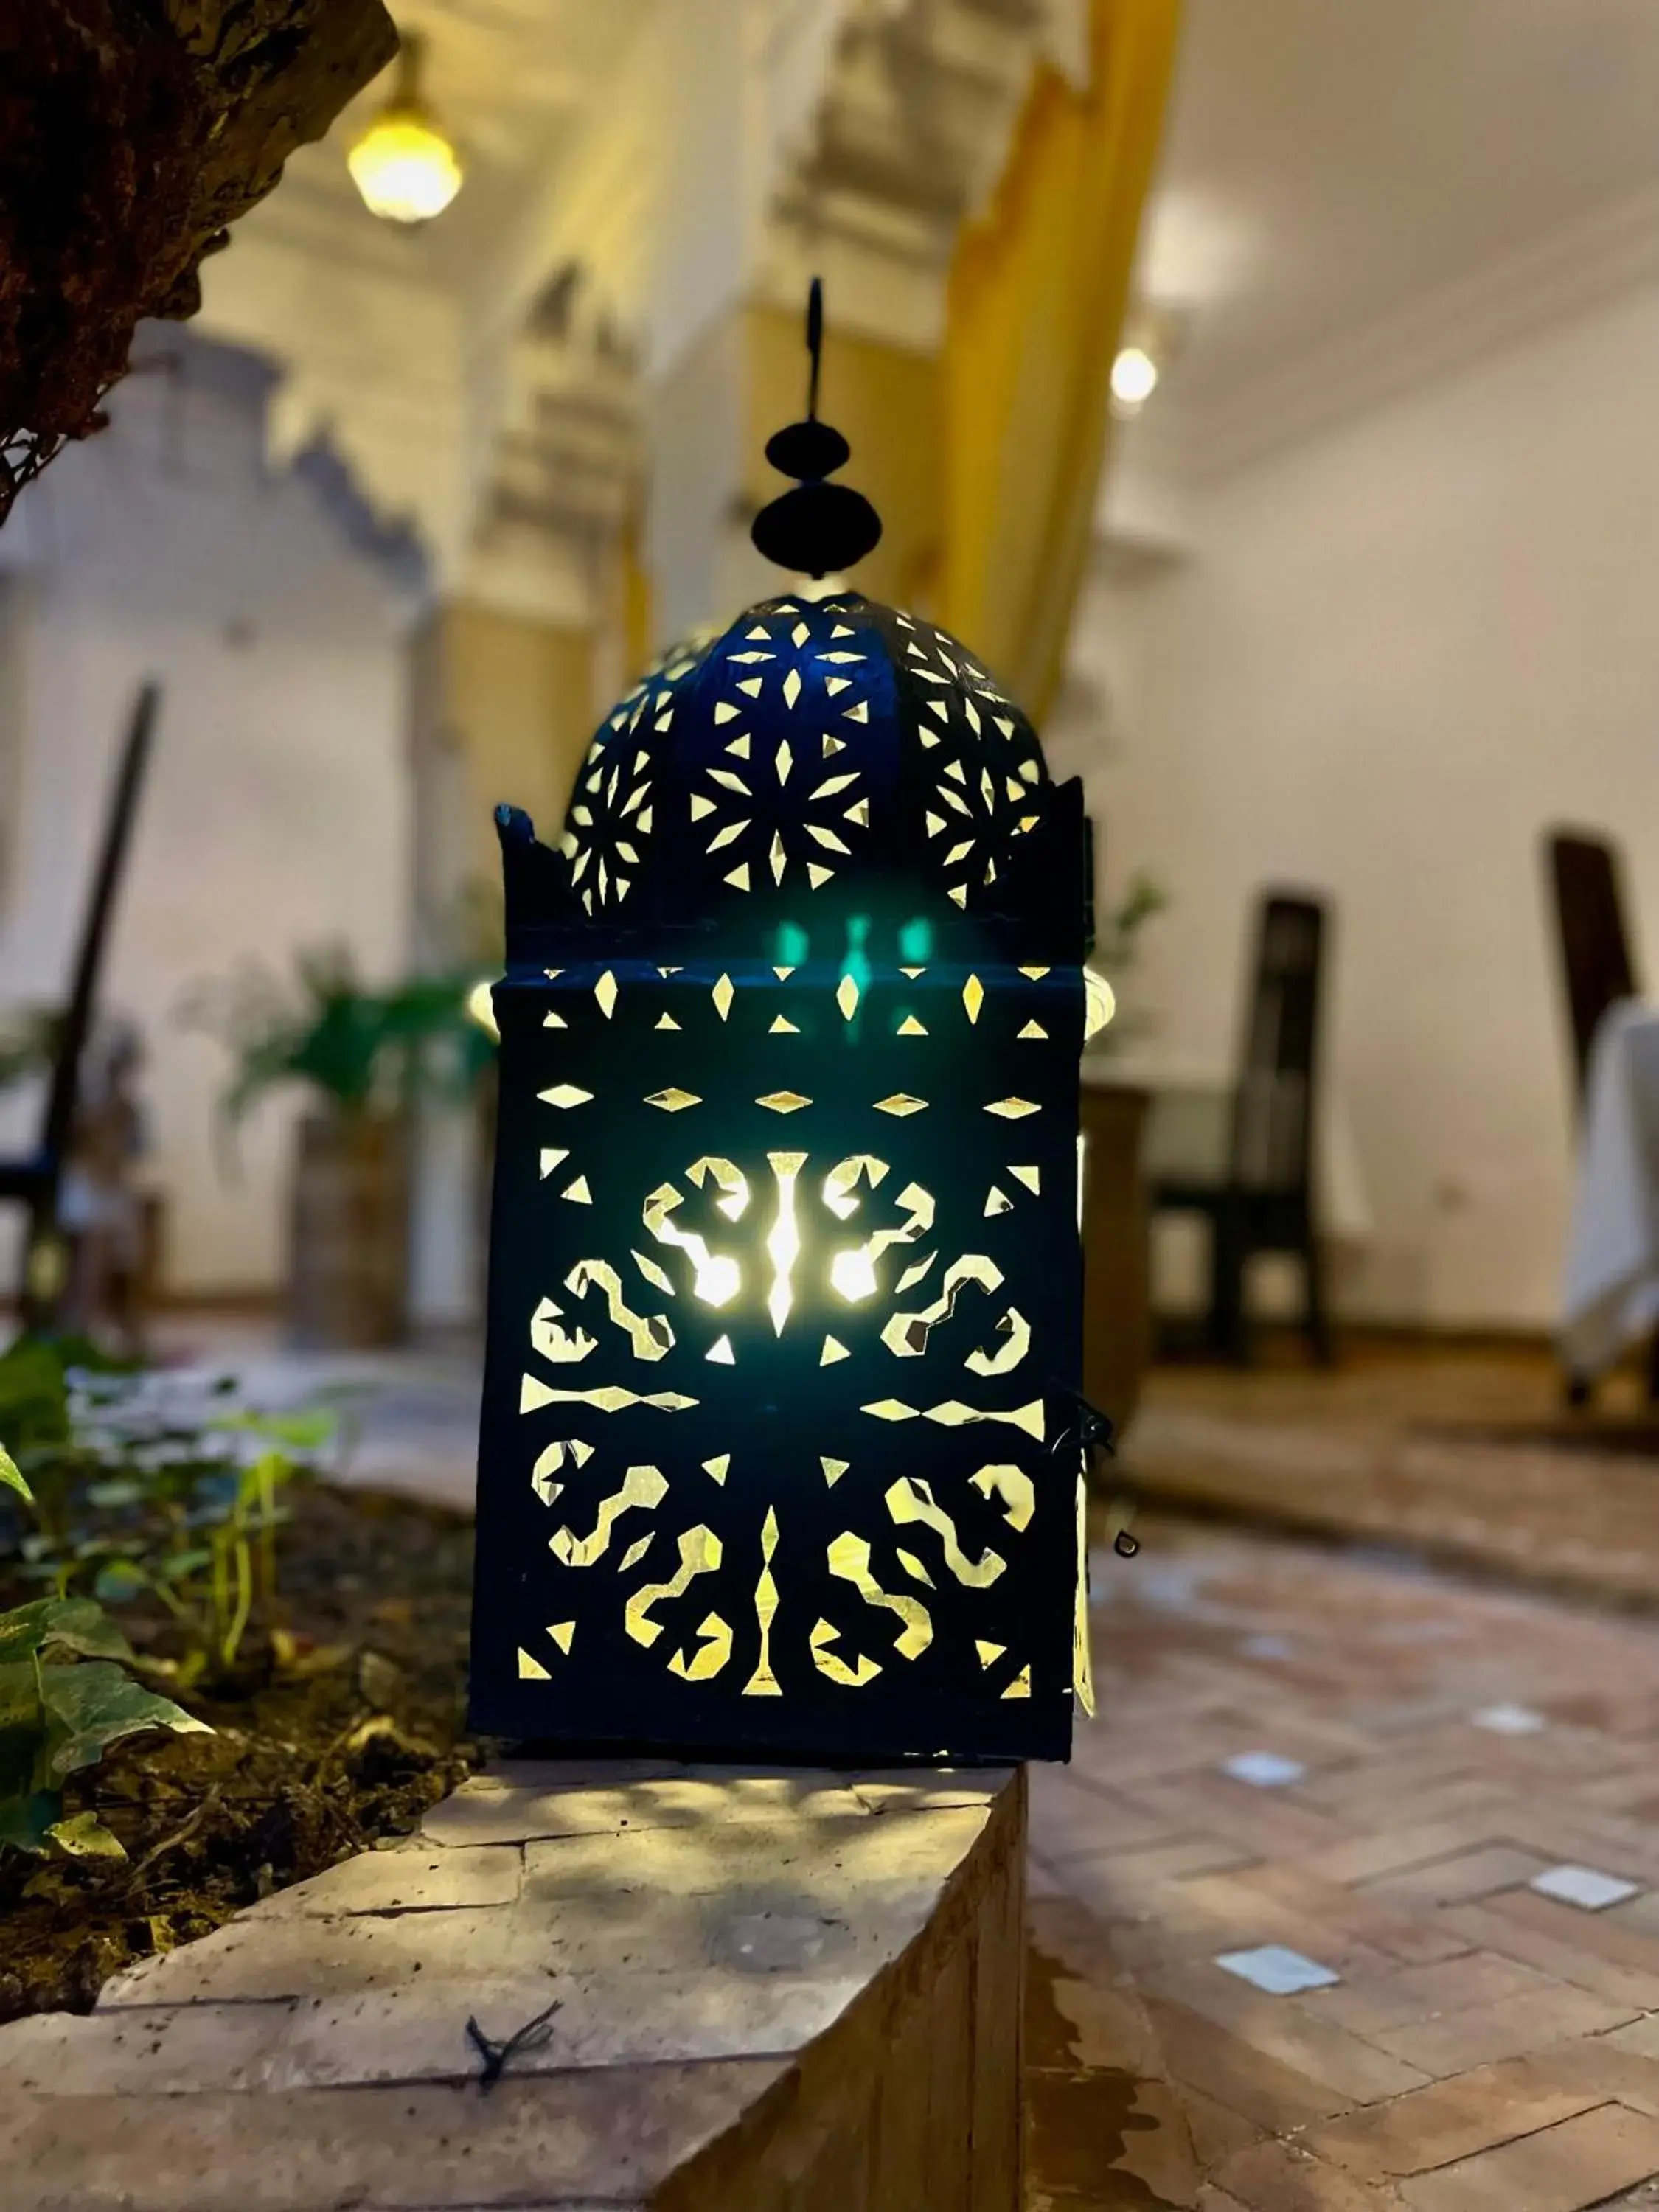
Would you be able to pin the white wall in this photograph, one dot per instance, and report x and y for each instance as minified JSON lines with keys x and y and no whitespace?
{"x":1399,"y":651}
{"x":276,"y":812}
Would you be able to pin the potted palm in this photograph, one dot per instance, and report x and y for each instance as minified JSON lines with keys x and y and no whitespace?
{"x":361,"y":1056}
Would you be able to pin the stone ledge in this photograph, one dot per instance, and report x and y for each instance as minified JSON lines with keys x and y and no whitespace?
{"x":773,"y":1990}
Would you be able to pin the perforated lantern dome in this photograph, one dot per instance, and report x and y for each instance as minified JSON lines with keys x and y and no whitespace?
{"x":780,"y":1446}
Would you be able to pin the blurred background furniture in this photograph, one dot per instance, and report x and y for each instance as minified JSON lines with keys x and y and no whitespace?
{"x":1611,"y":1298}
{"x":34,"y":1180}
{"x":1117,"y":1289}
{"x":1597,"y":965}
{"x":1263,"y":1199}
{"x":1599,"y":972}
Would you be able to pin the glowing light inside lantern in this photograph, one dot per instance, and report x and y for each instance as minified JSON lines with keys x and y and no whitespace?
{"x":404,"y":167}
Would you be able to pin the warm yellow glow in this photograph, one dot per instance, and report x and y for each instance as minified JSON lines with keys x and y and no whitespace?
{"x":842,"y":1181}
{"x":701,"y":1552}
{"x":849,"y":1559}
{"x":642,"y":1486}
{"x":1014,"y":1487}
{"x":1100,"y":1003}
{"x":533,"y":1394}
{"x":1134,"y":377}
{"x":911,"y":1500}
{"x":783,"y":1242}
{"x":852,"y":1275}
{"x":480,"y":1006}
{"x":716,"y":1279}
{"x":649,"y":1334}
{"x":403,"y":166}
{"x":763,"y":1683}
{"x":731,"y":1182}
{"x":828,"y":1663}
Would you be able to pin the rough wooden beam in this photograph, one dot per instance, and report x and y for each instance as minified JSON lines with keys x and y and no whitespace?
{"x":132,"y":134}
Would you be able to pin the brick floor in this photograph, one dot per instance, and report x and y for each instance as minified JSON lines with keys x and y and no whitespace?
{"x":1484,"y":2046}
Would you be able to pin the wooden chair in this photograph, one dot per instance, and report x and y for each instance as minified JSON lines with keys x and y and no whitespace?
{"x":1265,"y":1200}
{"x":33,"y":1179}
{"x":1598,"y":968}
{"x":1593,"y":940}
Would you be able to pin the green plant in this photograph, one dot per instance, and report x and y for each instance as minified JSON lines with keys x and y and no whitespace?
{"x":1117,"y":951}
{"x":364,"y":1052}
{"x":216,"y":1559}
{"x":11,"y":1477}
{"x":65,"y":1697}
{"x":146,"y":1486}
{"x":28,"y":1043}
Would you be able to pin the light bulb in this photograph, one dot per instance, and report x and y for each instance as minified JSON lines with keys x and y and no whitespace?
{"x":1134,"y":377}
{"x":1100,"y":1003}
{"x":404,"y":165}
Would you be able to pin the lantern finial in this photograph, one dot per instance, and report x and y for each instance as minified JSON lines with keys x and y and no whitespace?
{"x":818,"y":528}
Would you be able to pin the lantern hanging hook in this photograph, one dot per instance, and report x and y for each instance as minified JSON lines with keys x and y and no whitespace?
{"x":814,"y":345}
{"x":817,"y":528}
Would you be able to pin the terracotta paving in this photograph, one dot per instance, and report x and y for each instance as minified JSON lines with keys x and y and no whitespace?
{"x":1409,"y":1448}
{"x":1477,"y":2045}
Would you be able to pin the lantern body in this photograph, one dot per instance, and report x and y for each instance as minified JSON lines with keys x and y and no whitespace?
{"x":781,"y":1440}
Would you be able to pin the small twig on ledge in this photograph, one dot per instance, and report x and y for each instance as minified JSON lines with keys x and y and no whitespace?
{"x":496,"y":2056}
{"x":181,"y":1834}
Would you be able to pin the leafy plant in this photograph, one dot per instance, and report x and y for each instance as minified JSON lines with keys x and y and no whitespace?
{"x":1117,"y":951}
{"x":210,"y":1585}
{"x":11,"y":1477}
{"x":151,"y":1485}
{"x":28,"y":1043}
{"x":65,"y":1697}
{"x":364,"y":1052}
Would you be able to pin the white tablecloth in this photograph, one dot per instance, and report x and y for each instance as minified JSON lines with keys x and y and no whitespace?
{"x":1612,"y":1292}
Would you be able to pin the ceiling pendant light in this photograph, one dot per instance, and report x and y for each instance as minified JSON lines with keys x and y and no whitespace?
{"x":404,"y":165}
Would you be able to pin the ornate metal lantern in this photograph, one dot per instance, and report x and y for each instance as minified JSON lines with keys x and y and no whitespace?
{"x":781,"y":1447}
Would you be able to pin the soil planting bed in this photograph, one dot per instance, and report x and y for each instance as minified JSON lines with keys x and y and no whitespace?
{"x":347,"y":1743}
